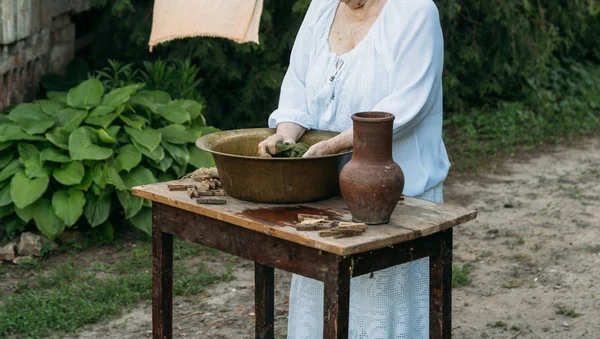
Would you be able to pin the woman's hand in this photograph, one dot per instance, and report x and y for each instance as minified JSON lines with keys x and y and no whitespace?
{"x":319,"y":149}
{"x":269,"y":145}
{"x":331,"y":146}
{"x":287,"y":132}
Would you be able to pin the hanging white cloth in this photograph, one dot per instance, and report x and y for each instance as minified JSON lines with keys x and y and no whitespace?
{"x":232,"y":19}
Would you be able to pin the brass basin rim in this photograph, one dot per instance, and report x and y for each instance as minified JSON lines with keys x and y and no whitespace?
{"x":205,"y":141}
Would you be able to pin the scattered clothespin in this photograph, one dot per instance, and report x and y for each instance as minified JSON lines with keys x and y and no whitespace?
{"x":314,"y":227}
{"x":179,"y":187}
{"x":208,"y":201}
{"x":302,"y":217}
{"x":212,"y":193}
{"x":351,"y":226}
{"x":338,"y":233}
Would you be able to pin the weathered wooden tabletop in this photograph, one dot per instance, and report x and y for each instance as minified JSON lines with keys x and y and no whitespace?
{"x":413,"y":218}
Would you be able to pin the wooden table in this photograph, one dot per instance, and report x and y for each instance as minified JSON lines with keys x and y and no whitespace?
{"x":263,"y":233}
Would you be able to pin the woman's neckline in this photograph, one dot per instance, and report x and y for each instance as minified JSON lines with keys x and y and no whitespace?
{"x":328,"y":33}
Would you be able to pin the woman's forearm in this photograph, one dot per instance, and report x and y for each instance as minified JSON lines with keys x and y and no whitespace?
{"x":341,"y":141}
{"x":290,"y":131}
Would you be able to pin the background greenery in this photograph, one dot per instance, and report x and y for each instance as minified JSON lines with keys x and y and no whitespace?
{"x":496,"y":51}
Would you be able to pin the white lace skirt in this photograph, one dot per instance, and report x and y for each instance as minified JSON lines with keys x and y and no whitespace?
{"x":393,"y":303}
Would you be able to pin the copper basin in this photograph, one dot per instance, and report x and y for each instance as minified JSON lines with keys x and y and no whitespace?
{"x":247,"y":176}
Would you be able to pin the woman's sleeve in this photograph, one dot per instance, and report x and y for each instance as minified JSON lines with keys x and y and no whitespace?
{"x":416,"y":72}
{"x":293,"y":106}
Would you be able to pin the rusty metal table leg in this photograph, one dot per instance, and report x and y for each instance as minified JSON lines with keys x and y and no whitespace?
{"x":264,"y":301}
{"x":440,"y":289}
{"x":162,"y":282}
{"x":337,"y":300}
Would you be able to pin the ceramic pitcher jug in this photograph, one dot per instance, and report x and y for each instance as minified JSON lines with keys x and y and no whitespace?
{"x":372,"y":183}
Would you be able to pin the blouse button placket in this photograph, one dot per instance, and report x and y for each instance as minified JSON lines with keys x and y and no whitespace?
{"x":338,"y":64}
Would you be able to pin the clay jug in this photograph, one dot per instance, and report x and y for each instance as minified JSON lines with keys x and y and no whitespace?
{"x":372,"y":183}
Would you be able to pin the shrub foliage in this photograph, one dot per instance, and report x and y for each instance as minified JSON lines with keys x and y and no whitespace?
{"x":73,"y":158}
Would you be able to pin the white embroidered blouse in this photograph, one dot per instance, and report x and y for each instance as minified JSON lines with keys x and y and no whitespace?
{"x":396,"y":68}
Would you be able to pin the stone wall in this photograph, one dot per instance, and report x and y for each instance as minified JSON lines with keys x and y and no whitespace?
{"x":36,"y":37}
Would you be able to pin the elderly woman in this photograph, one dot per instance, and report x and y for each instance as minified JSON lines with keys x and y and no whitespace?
{"x":369,"y":55}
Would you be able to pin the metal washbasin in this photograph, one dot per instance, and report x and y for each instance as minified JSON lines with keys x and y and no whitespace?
{"x":247,"y":176}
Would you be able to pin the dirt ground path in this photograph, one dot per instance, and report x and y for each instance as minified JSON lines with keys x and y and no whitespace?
{"x":533,"y":256}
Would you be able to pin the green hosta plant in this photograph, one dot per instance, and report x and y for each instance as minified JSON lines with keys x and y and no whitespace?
{"x":73,"y":158}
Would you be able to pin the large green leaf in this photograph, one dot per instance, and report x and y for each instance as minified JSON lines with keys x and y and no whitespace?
{"x":70,"y":173}
{"x":177,"y":134}
{"x":6,"y":157}
{"x":200,"y":158}
{"x":82,"y":145}
{"x":51,"y":108}
{"x":10,"y":131}
{"x":103,"y":116}
{"x":5,"y":198}
{"x":138,"y":176}
{"x":35,"y":169}
{"x":26,"y":214}
{"x":150,"y":99}
{"x":27,"y":151}
{"x":31,"y":118}
{"x":59,"y":137}
{"x":134,"y":120}
{"x":179,"y":153}
{"x":143,"y":220}
{"x":119,"y":96}
{"x":70,"y":118}
{"x":110,"y":134}
{"x":6,"y":211}
{"x":99,"y":175}
{"x":194,"y":108}
{"x":174,"y":112}
{"x":157,"y":155}
{"x":101,"y":110}
{"x":59,"y":97}
{"x":128,"y":157}
{"x":13,"y":167}
{"x":114,"y":178}
{"x":162,"y":165}
{"x":86,"y":95}
{"x":102,"y":121}
{"x":97,"y":209}
{"x":131,"y":204}
{"x":147,"y":137}
{"x":46,"y":220}
{"x":68,"y":205}
{"x":25,"y":191}
{"x":86,"y":181}
{"x":54,"y":155}
{"x":106,"y":137}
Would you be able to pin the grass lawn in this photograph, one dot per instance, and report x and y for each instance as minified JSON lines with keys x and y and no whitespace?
{"x":62,"y":296}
